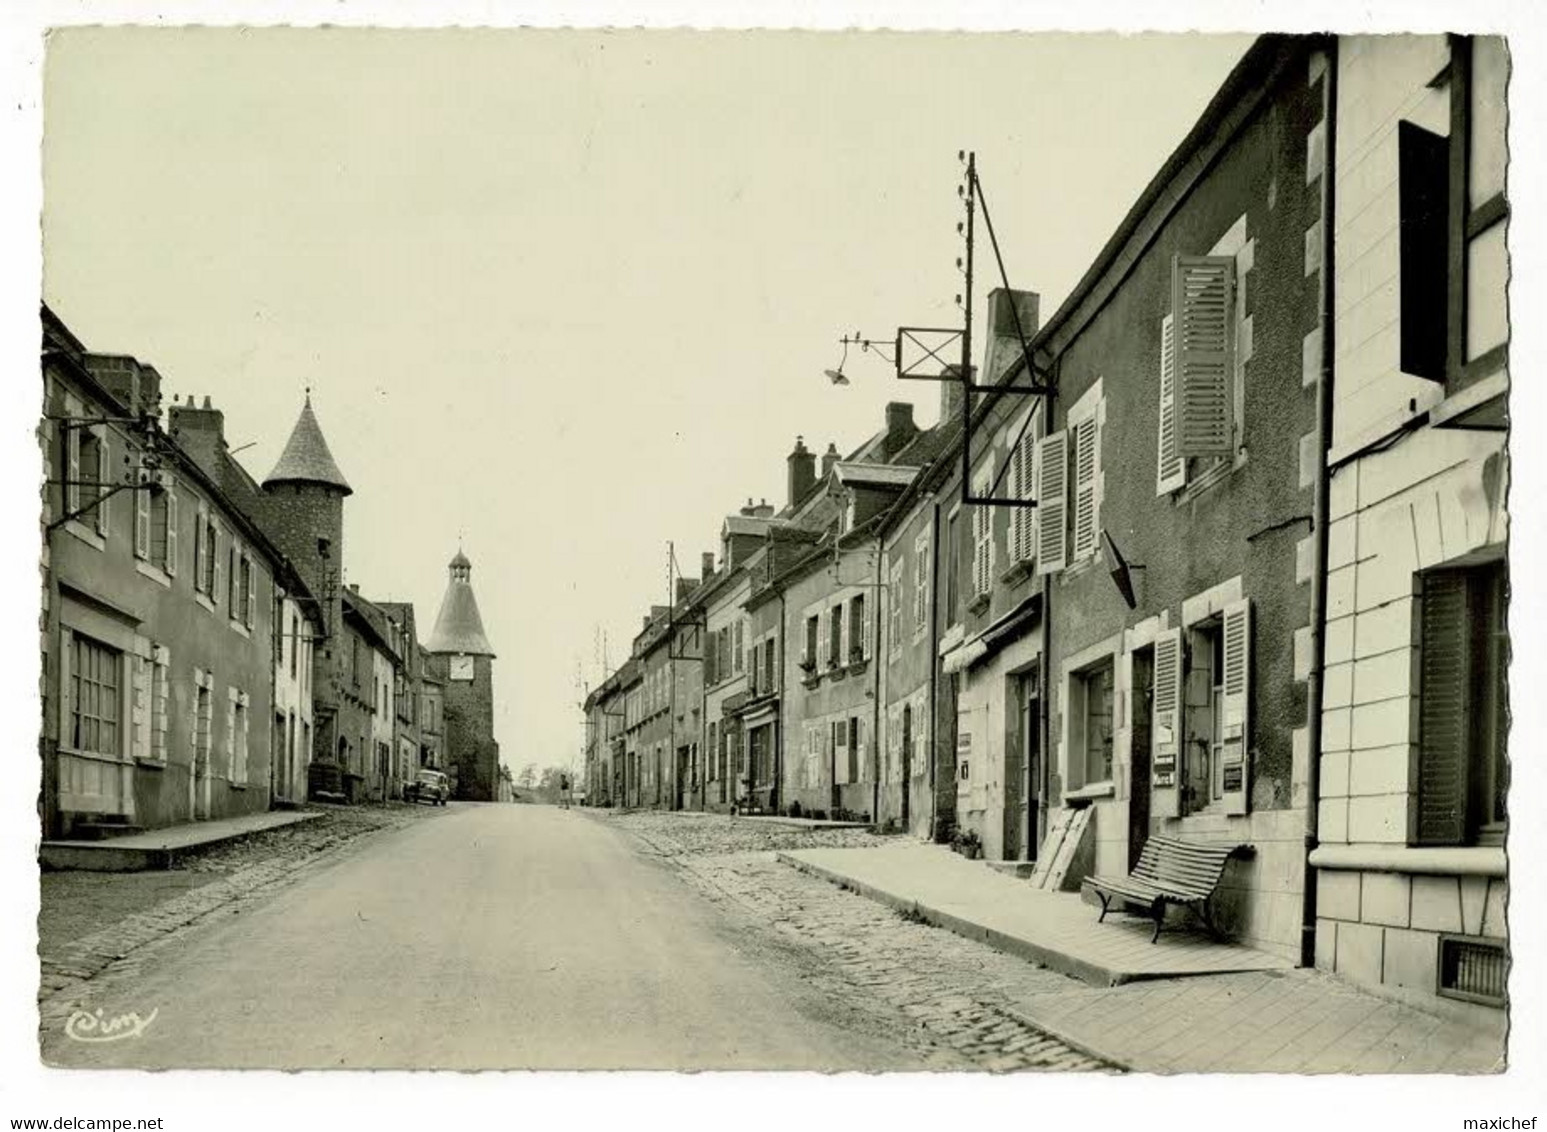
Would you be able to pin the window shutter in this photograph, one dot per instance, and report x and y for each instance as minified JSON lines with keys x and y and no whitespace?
{"x":737,"y":659}
{"x":1086,"y":466}
{"x":231,"y":733}
{"x":840,"y":752}
{"x":1170,"y":468}
{"x":140,"y":707}
{"x":1166,"y":726}
{"x":1024,"y":546}
{"x":142,"y":519}
{"x":1018,"y":516}
{"x":866,"y":633}
{"x":840,"y":611}
{"x":821,"y":639}
{"x":861,"y":756}
{"x":1444,"y":710}
{"x":1235,"y":750}
{"x":1202,"y":303}
{"x":1052,"y":487}
{"x":72,"y":447}
{"x":199,"y":549}
{"x":101,"y":489}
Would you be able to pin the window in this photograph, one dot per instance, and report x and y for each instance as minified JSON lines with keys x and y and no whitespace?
{"x":1479,"y":209}
{"x":209,"y":577}
{"x":243,"y":609}
{"x":1463,"y":777}
{"x":295,"y":640}
{"x":95,"y":708}
{"x":738,"y":649}
{"x":1095,"y":703}
{"x":770,"y":652}
{"x":835,"y":640}
{"x":89,"y":474}
{"x":857,"y":628}
{"x":808,"y":657}
{"x":203,"y":720}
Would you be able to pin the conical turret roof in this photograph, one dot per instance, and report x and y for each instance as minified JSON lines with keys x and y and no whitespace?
{"x":458,"y":626}
{"x":306,"y":458}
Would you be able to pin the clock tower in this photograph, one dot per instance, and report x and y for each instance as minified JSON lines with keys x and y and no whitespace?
{"x":460,"y":655}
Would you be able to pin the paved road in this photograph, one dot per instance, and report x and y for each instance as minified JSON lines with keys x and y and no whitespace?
{"x":495,"y":937}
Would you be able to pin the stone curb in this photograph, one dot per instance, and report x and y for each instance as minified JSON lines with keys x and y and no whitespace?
{"x":1011,"y":945}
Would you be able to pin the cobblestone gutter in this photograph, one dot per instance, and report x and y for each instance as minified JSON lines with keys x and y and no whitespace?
{"x":950,"y":998}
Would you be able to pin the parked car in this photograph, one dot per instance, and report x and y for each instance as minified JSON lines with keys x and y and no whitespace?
{"x":429,"y":786}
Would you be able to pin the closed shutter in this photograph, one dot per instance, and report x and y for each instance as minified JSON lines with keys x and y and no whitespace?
{"x":822,"y":639}
{"x":738,"y":661}
{"x":141,"y":706}
{"x":1087,"y":447}
{"x":1170,"y":468}
{"x":1166,"y":726}
{"x":72,"y":487}
{"x":841,"y":752}
{"x":1444,"y":710}
{"x":231,"y":734}
{"x":1202,"y":303}
{"x":920,"y":581}
{"x":1052,"y":488}
{"x":859,"y":754}
{"x":1024,"y":547}
{"x":100,"y":492}
{"x":1018,"y":516}
{"x":213,"y":553}
{"x":866,"y":633}
{"x":142,"y":519}
{"x":711,"y":669}
{"x":1235,"y":747}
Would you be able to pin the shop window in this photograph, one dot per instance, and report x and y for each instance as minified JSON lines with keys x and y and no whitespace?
{"x":1091,"y":695}
{"x":95,"y":687}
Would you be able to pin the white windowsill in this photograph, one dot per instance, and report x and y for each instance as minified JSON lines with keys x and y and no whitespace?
{"x":88,"y":536}
{"x":204,"y":601}
{"x":1472,"y":860}
{"x":154,"y":573}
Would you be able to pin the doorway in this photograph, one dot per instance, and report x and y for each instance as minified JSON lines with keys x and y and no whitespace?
{"x":1142,"y":693}
{"x":907,"y":762}
{"x":682,"y":778}
{"x":1031,"y":743}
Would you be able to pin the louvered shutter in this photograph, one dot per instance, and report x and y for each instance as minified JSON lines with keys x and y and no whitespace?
{"x":1024,"y":546}
{"x":1235,"y":747}
{"x":738,"y":659}
{"x":1052,"y":487}
{"x":845,"y":646}
{"x":823,"y":641}
{"x":711,"y":677}
{"x":141,"y":520}
{"x":1166,"y":726}
{"x":866,"y":633}
{"x":199,"y":549}
{"x":859,"y":755}
{"x":920,"y":581}
{"x":1444,"y":710}
{"x":72,"y":487}
{"x":100,"y":492}
{"x":1170,"y":468}
{"x":1202,"y":304}
{"x":1087,"y":449}
{"x":1018,"y":516}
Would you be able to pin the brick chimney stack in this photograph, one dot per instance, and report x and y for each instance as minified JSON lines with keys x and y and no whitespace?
{"x":802,"y":476}
{"x":900,"y":428}
{"x":200,"y":432}
{"x":1004,"y":345}
{"x":706,"y":564}
{"x":829,"y":458}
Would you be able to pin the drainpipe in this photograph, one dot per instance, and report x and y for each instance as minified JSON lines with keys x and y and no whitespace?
{"x":1044,"y":664}
{"x":779,"y":727}
{"x":876,"y":658}
{"x":1320,"y":505}
{"x":934,"y":666}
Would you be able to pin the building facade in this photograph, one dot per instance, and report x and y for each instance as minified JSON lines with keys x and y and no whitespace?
{"x":1410,"y":867}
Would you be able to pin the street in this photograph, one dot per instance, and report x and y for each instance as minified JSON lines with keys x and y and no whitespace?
{"x":492,"y":937}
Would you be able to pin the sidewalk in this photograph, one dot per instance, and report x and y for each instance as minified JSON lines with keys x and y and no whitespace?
{"x":159,"y":848}
{"x":1182,"y":1005}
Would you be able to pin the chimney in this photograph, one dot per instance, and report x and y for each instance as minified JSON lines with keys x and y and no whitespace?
{"x":1004,"y":345}
{"x":899,"y":426}
{"x":763,"y":510}
{"x":802,"y":471}
{"x":200,"y":432}
{"x":829,"y":458}
{"x":750,"y":510}
{"x":951,"y":399}
{"x":686,"y":586}
{"x":706,"y":563}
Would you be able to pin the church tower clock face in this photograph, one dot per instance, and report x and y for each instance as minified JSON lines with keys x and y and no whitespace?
{"x":461,"y":668}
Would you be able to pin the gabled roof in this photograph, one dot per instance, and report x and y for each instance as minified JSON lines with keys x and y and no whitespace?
{"x":306,"y":458}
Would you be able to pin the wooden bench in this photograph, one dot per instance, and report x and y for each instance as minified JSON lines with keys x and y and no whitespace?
{"x":1170,"y":871}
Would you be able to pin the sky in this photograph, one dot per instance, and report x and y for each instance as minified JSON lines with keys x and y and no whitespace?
{"x":564,"y":297}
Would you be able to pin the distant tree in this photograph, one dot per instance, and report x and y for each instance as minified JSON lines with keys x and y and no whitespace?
{"x":528,"y":776}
